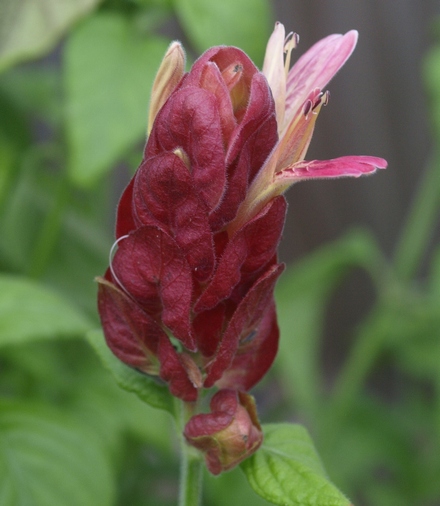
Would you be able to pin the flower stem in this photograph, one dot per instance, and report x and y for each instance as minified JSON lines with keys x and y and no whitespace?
{"x":190,"y":490}
{"x":50,"y":230}
{"x":413,"y":240}
{"x":420,"y":222}
{"x":349,"y":384}
{"x":190,"y":478}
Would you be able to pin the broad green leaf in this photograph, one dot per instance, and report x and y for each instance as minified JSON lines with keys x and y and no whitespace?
{"x":109,"y":69}
{"x":30,"y":311}
{"x":29,"y":29}
{"x":129,"y":379}
{"x":287,"y":471}
{"x":49,"y":460}
{"x":244,"y":23}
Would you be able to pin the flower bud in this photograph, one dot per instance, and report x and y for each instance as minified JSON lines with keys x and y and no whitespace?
{"x":168,"y":76}
{"x":227,"y":435}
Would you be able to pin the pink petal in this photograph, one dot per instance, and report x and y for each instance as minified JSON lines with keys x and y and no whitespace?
{"x":316,"y":68}
{"x":346,"y":166}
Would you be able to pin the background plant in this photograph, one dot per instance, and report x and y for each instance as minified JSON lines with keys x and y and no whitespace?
{"x":68,"y":120}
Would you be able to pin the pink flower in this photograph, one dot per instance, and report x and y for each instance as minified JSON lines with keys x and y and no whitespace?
{"x":299,"y":97}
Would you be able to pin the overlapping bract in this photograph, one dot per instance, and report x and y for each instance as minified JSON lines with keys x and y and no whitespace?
{"x":185,"y":299}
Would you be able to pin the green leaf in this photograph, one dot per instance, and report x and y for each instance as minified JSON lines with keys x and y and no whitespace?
{"x":129,"y":379}
{"x":287,"y":471}
{"x":29,"y":311}
{"x":48,"y":460}
{"x":245,"y":24}
{"x":29,"y":29}
{"x":109,"y":70}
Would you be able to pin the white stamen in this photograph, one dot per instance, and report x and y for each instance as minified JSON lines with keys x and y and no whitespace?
{"x":290,"y":43}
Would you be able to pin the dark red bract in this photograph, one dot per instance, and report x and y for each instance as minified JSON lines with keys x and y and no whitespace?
{"x":185,"y":298}
{"x":228,"y":434}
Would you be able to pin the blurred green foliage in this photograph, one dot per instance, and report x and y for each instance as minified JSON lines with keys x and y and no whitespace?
{"x":68,"y":434}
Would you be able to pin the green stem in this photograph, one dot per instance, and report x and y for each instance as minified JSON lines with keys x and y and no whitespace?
{"x":362,"y":356}
{"x":190,"y":490}
{"x":420,"y":223}
{"x":414,"y":238}
{"x":190,"y":479}
{"x":50,"y":230}
{"x":349,"y":383}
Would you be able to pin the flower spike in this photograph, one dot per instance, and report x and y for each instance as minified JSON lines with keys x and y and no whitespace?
{"x":188,"y":296}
